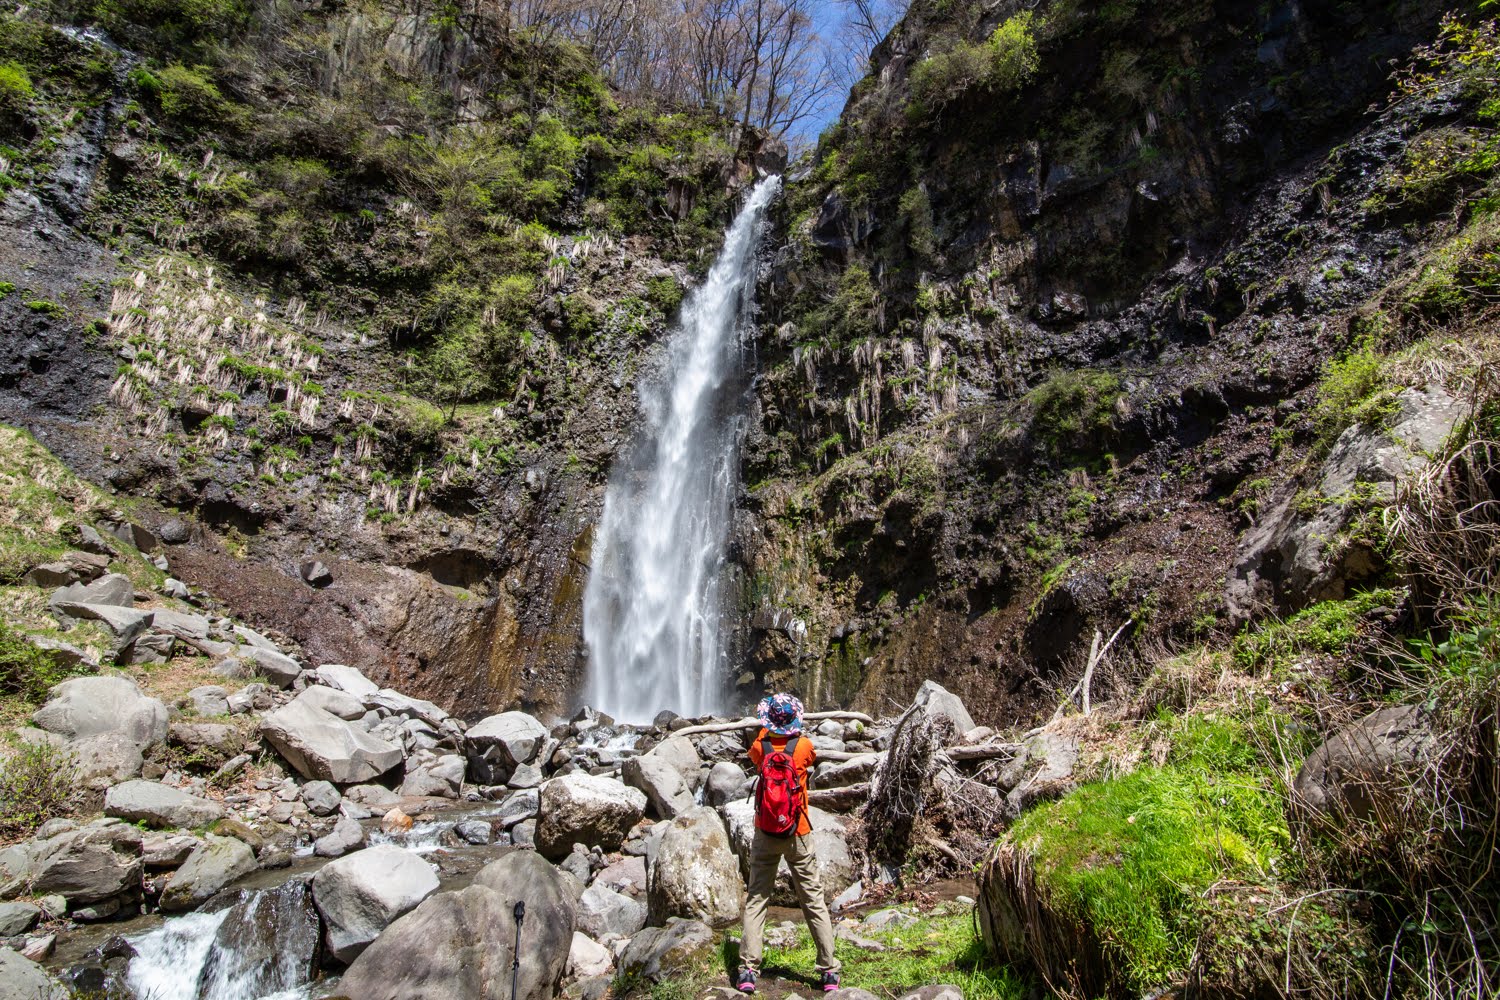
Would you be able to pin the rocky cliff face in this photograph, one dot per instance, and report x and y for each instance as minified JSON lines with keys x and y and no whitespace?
{"x":262,"y":266}
{"x":1049,"y":330}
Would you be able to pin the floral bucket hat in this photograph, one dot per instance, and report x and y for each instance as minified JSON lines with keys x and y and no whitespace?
{"x":781,"y":714}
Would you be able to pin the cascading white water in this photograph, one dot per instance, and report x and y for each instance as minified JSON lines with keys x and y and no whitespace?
{"x":652,"y":607}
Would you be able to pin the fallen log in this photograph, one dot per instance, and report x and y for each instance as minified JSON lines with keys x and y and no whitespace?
{"x":982,"y":751}
{"x":839,"y":799}
{"x":745,"y":724}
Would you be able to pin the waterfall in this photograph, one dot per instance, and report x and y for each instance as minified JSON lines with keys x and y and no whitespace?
{"x":652,"y":607}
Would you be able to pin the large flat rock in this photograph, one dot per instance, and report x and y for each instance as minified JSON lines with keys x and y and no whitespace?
{"x":320,"y":745}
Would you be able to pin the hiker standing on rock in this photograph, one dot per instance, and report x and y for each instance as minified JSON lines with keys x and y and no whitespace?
{"x":782,"y":756}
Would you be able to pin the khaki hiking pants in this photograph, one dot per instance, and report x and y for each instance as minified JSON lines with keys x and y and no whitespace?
{"x":766,"y":853}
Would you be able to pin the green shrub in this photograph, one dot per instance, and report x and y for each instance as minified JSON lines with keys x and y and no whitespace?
{"x":25,"y":670}
{"x":665,"y":292}
{"x":1331,"y":628}
{"x":1075,"y":411}
{"x":166,"y":25}
{"x":188,"y":95}
{"x":16,"y":91}
{"x":45,"y":306}
{"x":36,"y":784}
{"x":1355,"y":389}
{"x":1003,"y":63}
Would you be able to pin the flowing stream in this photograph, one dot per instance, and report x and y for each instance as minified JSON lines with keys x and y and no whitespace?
{"x":652,"y":607}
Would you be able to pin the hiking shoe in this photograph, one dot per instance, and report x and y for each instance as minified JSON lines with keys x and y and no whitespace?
{"x":830,"y":982}
{"x":745,"y":981}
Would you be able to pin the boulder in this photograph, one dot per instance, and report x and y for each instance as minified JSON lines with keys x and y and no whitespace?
{"x":626,"y":875}
{"x":835,"y":865}
{"x":1364,"y":772}
{"x":208,"y":742}
{"x":397,"y":703}
{"x":149,"y":647}
{"x":81,"y":864}
{"x":374,"y":797}
{"x":937,"y":702}
{"x":1042,"y":769}
{"x":459,"y":945}
{"x":112,"y":590}
{"x":315,"y":574}
{"x":429,"y":774}
{"x":695,"y":873}
{"x":726,"y":782}
{"x":23,"y":979}
{"x":585,"y":809}
{"x":657,"y":952}
{"x":661,"y":782}
{"x":321,"y":798}
{"x":106,"y":759}
{"x":501,"y":743}
{"x":679,"y":752}
{"x":360,"y":895}
{"x":842,"y":774}
{"x":588,"y":958}
{"x":125,"y":625}
{"x":518,"y":806}
{"x":474,"y":831}
{"x":333,"y":701}
{"x":267,"y":945}
{"x":173,"y":531}
{"x":272,"y":664}
{"x":602,"y":910}
{"x":346,"y":679}
{"x":64,"y":654}
{"x":159,"y":805}
{"x":167,"y":850}
{"x":1295,"y":556}
{"x":347,"y":835}
{"x":209,"y":700}
{"x":18,"y":918}
{"x":943,"y":991}
{"x":73,"y":567}
{"x":213,"y":866}
{"x":89,"y":706}
{"x":323,"y":746}
{"x":194,"y":628}
{"x":526,"y":776}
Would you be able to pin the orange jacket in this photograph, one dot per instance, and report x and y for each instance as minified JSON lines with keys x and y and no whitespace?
{"x":804,"y":755}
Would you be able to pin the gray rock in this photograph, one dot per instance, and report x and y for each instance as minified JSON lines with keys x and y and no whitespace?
{"x":360,"y":895}
{"x":658,"y":952}
{"x":72,"y":568}
{"x":207,"y":742}
{"x":235,"y":668}
{"x":428,"y":774}
{"x":501,"y":743}
{"x":1293,"y":557}
{"x":272,"y":664}
{"x":526,"y":776}
{"x":89,"y":540}
{"x":173,"y":531}
{"x":347,"y":835}
{"x":149,"y":647}
{"x":83,"y":865}
{"x":726,"y":782}
{"x":333,"y":701}
{"x":459,"y":944}
{"x":842,"y":774}
{"x":251,"y":697}
{"x":695,"y":873}
{"x":105,"y":760}
{"x":941,"y":992}
{"x":194,"y":628}
{"x":679,"y":752}
{"x":1364,"y":771}
{"x":247,"y":635}
{"x":602,"y":910}
{"x":160,"y":805}
{"x":523,"y":834}
{"x":853,"y":992}
{"x":18,"y":918}
{"x":111,"y":590}
{"x":323,"y":746}
{"x":661,"y":782}
{"x":376,"y":797}
{"x":321,"y":797}
{"x":90,"y":706}
{"x":175,"y":588}
{"x":23,"y":979}
{"x":937,"y":702}
{"x":229,"y":770}
{"x":167,"y":850}
{"x":209,"y":700}
{"x":125,"y":625}
{"x":588,"y":958}
{"x":397,"y":703}
{"x":315,"y":574}
{"x":474,"y":831}
{"x":518,"y":806}
{"x":346,"y":679}
{"x":64,"y":654}
{"x":218,"y":863}
{"x":584,"y":809}
{"x":1042,"y":769}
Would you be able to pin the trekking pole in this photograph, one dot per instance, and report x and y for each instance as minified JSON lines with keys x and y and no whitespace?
{"x":515,"y":959}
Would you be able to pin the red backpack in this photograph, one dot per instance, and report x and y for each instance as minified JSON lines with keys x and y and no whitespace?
{"x":778,"y":793}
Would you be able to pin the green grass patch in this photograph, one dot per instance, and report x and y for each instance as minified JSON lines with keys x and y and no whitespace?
{"x":940,"y":948}
{"x":1330,"y":628}
{"x":1074,"y":412}
{"x":1132,"y":857}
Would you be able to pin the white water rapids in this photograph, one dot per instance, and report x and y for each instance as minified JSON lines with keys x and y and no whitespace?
{"x":652,"y":607}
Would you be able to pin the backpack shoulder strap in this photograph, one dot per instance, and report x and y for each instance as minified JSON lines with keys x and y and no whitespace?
{"x":765,"y":748}
{"x":791,"y":748}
